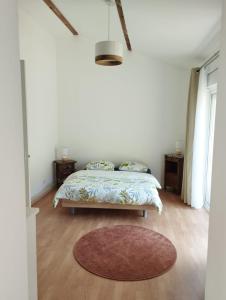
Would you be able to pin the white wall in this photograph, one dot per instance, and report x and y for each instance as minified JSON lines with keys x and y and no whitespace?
{"x":38,"y":49}
{"x":13,"y":256}
{"x":216,"y":267}
{"x":135,"y":111}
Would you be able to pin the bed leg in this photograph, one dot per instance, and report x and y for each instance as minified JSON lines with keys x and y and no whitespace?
{"x":72,"y":211}
{"x":145,"y":214}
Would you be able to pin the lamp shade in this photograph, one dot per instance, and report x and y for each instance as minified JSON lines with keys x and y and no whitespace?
{"x":178,"y":147}
{"x":65,"y":153}
{"x":109,"y":53}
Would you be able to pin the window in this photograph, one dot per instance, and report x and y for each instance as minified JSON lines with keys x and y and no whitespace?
{"x":213,"y":97}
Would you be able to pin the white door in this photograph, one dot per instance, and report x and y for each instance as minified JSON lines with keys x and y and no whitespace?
{"x":31,"y":212}
{"x":26,"y":152}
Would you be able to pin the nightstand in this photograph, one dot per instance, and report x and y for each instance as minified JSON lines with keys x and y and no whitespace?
{"x":63,"y":168}
{"x":173,"y":172}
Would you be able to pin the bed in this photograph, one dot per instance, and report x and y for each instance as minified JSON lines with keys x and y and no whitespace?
{"x":110,"y":190}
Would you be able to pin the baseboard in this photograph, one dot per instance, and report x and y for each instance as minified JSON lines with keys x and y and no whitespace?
{"x":49,"y":188}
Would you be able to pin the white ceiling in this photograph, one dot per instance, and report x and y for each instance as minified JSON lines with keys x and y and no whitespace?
{"x":183,"y":32}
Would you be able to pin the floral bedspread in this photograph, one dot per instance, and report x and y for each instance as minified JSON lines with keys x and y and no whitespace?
{"x":110,"y":187}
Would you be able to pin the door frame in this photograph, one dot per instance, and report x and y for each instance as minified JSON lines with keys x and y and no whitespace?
{"x":25,"y":135}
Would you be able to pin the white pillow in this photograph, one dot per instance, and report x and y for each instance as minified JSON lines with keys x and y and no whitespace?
{"x":133,"y":166}
{"x":100,"y":165}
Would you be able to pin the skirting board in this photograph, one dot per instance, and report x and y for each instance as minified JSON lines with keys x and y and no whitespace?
{"x":43,"y":193}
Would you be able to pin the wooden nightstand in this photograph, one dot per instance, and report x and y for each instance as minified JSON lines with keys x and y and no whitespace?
{"x":173,"y":172}
{"x":63,"y":168}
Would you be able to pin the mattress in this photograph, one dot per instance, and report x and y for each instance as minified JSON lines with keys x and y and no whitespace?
{"x":117,"y":187}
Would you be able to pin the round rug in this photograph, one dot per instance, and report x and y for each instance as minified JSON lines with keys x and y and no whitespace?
{"x":125,"y":252}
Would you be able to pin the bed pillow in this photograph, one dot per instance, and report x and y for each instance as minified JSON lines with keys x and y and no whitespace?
{"x":133,"y":166}
{"x":100,"y":165}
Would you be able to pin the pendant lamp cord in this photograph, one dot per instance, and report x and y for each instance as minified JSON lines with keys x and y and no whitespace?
{"x":109,"y":16}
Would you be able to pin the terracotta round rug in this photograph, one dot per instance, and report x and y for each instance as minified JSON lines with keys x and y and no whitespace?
{"x":125,"y":252}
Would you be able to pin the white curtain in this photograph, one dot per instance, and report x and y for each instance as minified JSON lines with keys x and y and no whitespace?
{"x":188,"y":154}
{"x":200,"y":145}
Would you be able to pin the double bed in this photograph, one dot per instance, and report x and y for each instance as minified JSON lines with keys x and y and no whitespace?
{"x":110,"y":190}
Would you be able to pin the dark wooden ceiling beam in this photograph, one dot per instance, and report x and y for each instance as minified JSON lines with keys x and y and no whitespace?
{"x":59,"y":14}
{"x":123,"y":23}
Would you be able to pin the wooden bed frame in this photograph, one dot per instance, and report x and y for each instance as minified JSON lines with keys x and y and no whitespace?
{"x":82,"y":204}
{"x":72,"y":205}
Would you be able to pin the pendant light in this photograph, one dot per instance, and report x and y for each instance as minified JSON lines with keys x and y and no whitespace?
{"x":109,"y":53}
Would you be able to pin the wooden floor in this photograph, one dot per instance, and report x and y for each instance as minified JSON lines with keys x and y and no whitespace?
{"x":61,"y":278}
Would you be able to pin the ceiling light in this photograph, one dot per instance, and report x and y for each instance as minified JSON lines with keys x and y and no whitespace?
{"x":109,"y":53}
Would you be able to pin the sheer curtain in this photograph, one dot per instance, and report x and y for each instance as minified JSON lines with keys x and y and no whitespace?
{"x":200,"y":144}
{"x":197,"y":140}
